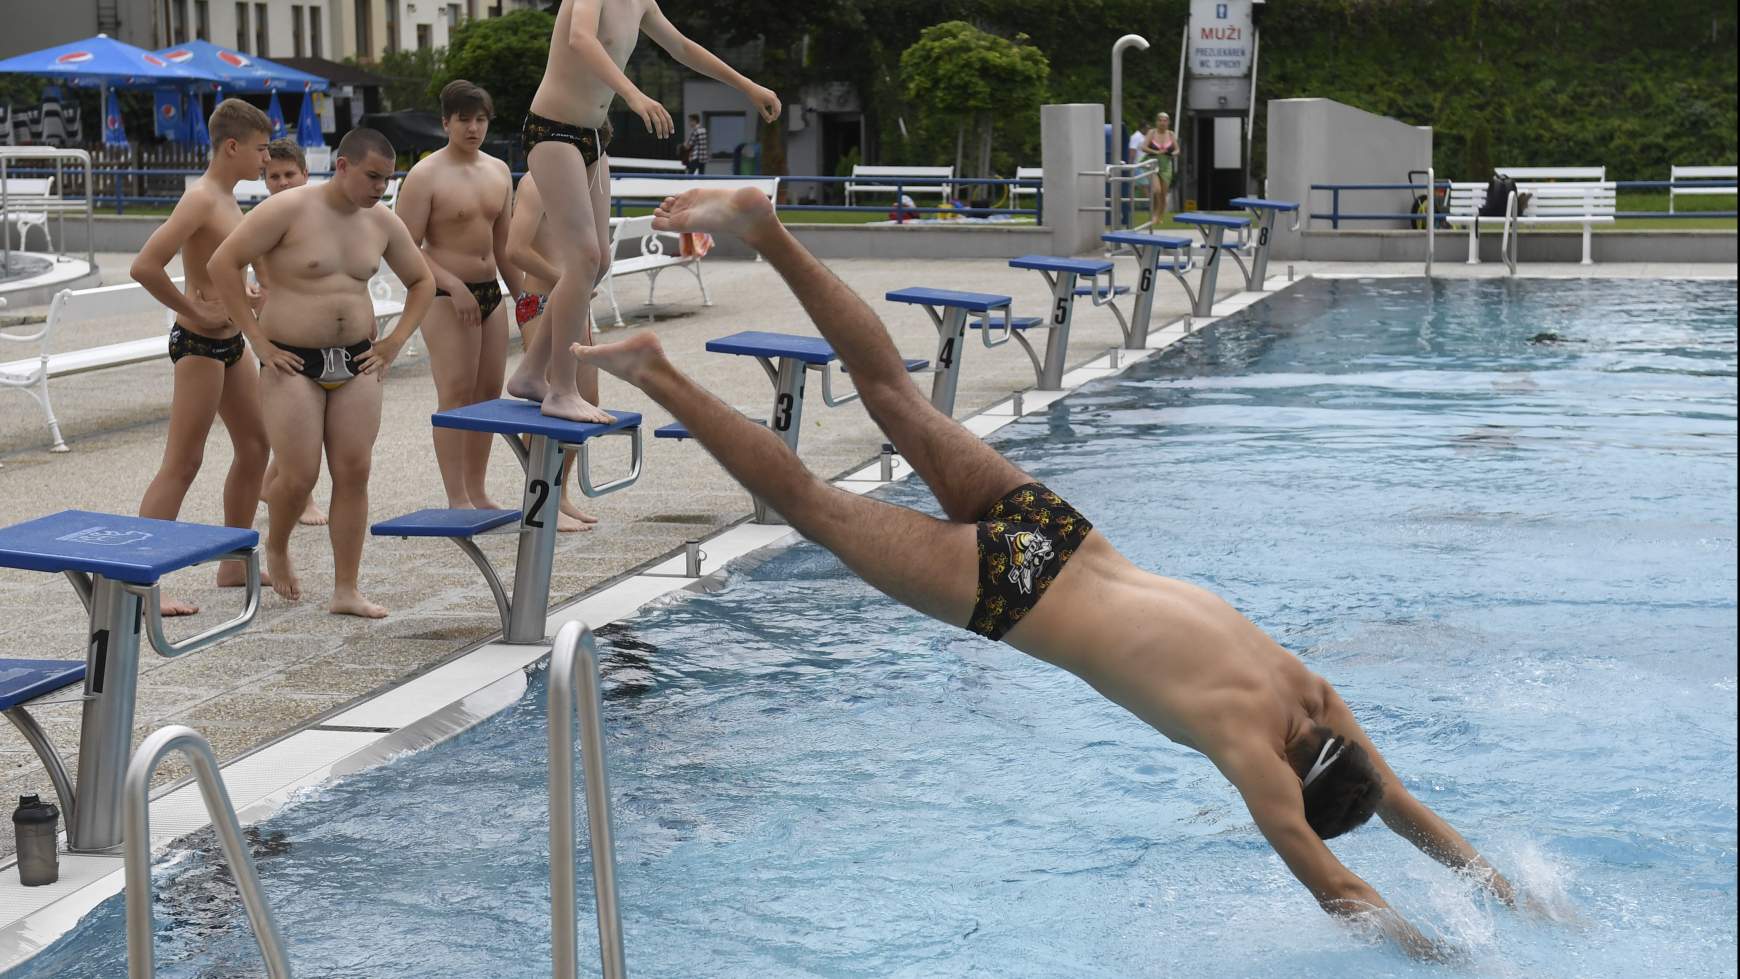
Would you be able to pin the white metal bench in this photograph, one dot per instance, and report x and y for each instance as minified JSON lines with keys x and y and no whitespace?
{"x":30,"y":202}
{"x":888,"y":180}
{"x":1016,"y":191}
{"x":72,"y":306}
{"x":659,"y":250}
{"x":1556,"y":196}
{"x":1678,"y":173}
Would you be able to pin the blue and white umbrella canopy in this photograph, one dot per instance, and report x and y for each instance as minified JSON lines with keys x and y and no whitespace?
{"x":102,"y":60}
{"x":308,"y":124}
{"x":238,"y":72}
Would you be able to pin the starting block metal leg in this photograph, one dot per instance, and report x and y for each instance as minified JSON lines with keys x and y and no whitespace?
{"x":1260,"y":254}
{"x":1148,"y":257}
{"x":1057,"y":345}
{"x":951,"y":329}
{"x":537,"y":552}
{"x":1210,"y":271}
{"x":786,"y":421}
{"x":106,"y":731}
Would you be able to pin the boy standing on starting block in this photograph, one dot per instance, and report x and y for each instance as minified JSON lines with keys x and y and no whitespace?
{"x":215,"y":376}
{"x":324,"y":372}
{"x":287,"y":169}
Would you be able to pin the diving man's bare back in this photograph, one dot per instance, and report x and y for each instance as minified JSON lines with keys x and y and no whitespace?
{"x":1015,"y":562}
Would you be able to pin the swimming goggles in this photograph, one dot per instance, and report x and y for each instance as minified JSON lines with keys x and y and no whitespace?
{"x":1324,"y":760}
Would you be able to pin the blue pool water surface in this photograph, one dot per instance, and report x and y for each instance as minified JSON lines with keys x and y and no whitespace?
{"x":1515,"y":559}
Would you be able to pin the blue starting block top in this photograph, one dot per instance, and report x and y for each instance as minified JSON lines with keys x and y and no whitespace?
{"x":1144,"y":238}
{"x":135,"y":550}
{"x":976,"y":302}
{"x":1052,"y":263}
{"x":1212,"y":220}
{"x":675,"y":430}
{"x":511,"y":416}
{"x":445,"y":523}
{"x":1015,"y":323}
{"x":1263,"y":204}
{"x":1091,"y":291}
{"x":27,"y":679}
{"x":755,"y":343}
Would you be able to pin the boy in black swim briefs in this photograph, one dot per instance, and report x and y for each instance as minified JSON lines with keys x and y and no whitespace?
{"x":324,"y":377}
{"x":456,"y":202}
{"x":214,"y":376}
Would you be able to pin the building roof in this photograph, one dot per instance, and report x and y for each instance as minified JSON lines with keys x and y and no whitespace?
{"x":335,"y":72}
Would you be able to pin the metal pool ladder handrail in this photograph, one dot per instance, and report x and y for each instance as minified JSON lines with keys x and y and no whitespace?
{"x":141,"y":952}
{"x":574,"y":659}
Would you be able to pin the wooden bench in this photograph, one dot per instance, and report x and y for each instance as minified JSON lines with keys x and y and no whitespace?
{"x":1678,"y":173}
{"x":72,"y":306}
{"x":892,"y":180}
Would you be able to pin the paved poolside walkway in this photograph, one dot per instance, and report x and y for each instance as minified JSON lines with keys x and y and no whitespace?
{"x":297,"y":662}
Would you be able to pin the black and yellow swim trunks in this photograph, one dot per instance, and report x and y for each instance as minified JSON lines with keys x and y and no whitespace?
{"x":487,"y":294}
{"x":1025,"y":539}
{"x":183,"y":342}
{"x":590,"y":141}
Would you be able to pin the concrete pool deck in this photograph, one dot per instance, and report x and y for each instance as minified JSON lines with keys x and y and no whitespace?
{"x":297,"y":663}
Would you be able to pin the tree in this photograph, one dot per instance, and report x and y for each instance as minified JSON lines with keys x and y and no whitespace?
{"x":505,"y":55}
{"x":960,"y":73}
{"x":409,"y":74}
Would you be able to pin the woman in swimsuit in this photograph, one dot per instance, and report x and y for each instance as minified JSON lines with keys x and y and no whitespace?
{"x":1163,"y":146}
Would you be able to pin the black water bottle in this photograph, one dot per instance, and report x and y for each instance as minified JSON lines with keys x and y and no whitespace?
{"x":35,"y":825}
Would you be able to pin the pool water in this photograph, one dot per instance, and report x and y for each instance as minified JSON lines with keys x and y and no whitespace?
{"x":1499,"y":516}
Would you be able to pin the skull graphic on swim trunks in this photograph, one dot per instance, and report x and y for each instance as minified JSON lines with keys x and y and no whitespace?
{"x":1028,"y":552}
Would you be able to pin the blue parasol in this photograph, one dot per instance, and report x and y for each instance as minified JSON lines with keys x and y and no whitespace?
{"x":275,"y":112}
{"x":102,"y":60}
{"x":114,"y":133}
{"x":308,"y":124}
{"x":238,"y":72}
{"x":200,"y":134}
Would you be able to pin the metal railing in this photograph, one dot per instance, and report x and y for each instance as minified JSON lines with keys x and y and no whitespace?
{"x":117,"y":198}
{"x":1335,"y":215}
{"x":141,"y":950}
{"x":574,"y":661}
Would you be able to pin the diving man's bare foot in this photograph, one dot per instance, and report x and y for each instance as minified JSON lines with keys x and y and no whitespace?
{"x":284,"y":580}
{"x":628,"y":359}
{"x":234,"y":574}
{"x":349,"y":601}
{"x":528,"y":383}
{"x":574,"y":408}
{"x":172,"y":607}
{"x":312,"y":516}
{"x":730,"y":212}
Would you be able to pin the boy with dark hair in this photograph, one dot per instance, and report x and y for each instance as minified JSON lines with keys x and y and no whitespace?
{"x":214,"y":374}
{"x":288,"y":166}
{"x":324,"y":374}
{"x":456,"y":202}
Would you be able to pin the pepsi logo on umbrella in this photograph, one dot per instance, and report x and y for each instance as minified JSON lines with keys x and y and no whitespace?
{"x":74,"y":58}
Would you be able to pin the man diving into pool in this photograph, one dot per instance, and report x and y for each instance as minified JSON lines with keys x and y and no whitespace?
{"x":1015,"y":562}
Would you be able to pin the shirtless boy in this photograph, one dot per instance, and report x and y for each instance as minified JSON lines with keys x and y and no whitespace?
{"x":214,"y":374}
{"x":288,"y":168}
{"x":323,"y":375}
{"x":566,"y":135}
{"x":529,"y":247}
{"x":456,"y":203}
{"x":1014,"y":562}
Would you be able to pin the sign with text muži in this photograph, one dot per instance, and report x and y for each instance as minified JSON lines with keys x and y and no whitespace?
{"x":1221,"y":38}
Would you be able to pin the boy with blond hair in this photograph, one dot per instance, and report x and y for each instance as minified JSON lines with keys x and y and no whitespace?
{"x":215,"y":376}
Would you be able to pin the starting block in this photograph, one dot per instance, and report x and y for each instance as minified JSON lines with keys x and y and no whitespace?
{"x":949,"y":310}
{"x":1213,"y":228}
{"x":1154,"y":254}
{"x":1263,"y":213}
{"x":114,"y":564}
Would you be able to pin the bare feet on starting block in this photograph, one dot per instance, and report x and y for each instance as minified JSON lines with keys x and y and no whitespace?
{"x":173,"y":607}
{"x":732,"y":212}
{"x":574,"y":408}
{"x":283,"y":573}
{"x":528,"y":381}
{"x":572,"y":519}
{"x":628,"y":359}
{"x":349,"y":601}
{"x":485,"y":503}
